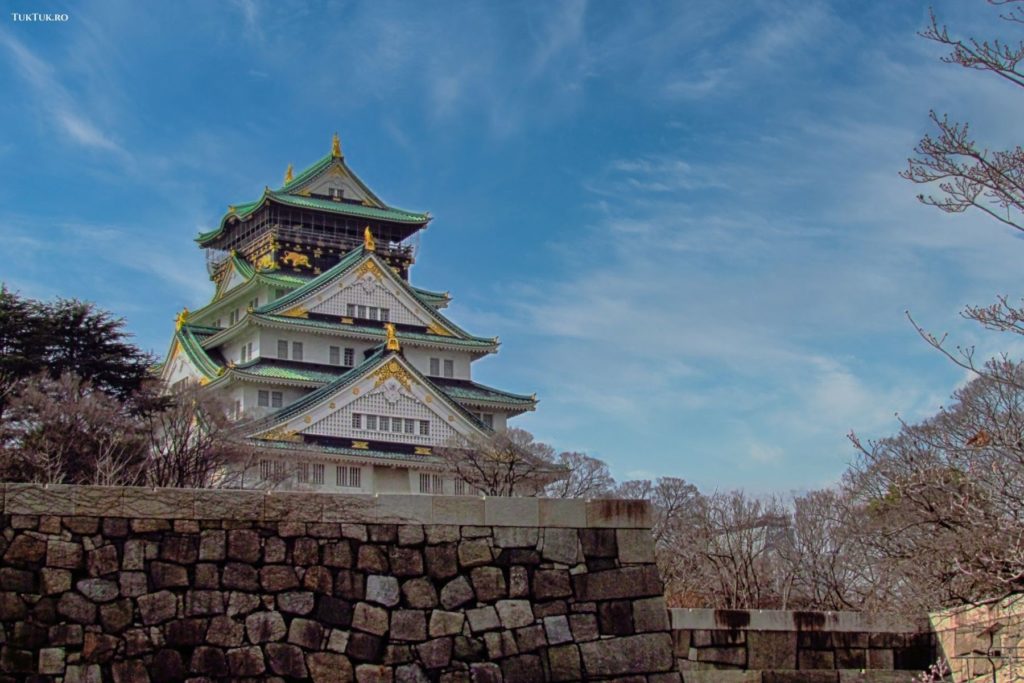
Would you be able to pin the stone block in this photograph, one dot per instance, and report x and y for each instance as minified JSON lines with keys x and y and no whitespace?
{"x":148,"y":503}
{"x":26,"y":548}
{"x":862,"y":676}
{"x":628,"y":582}
{"x":83,"y":673}
{"x":851,"y":658}
{"x":881,"y":659}
{"x":338,"y":554}
{"x":483,"y":619}
{"x":333,"y":612}
{"x":275,"y":578}
{"x":442,"y":560}
{"x":337,"y":640}
{"x":551,"y":583}
{"x":650,"y":614}
{"x":241,"y":577}
{"x":514,"y":613}
{"x":167,"y":575}
{"x":583,"y":627}
{"x":264,"y":627}
{"x":460,"y":510}
{"x":519,"y":582}
{"x":383,"y":590}
{"x":185,"y":632}
{"x":561,"y":512}
{"x":365,"y":647}
{"x":228,"y":504}
{"x":456,"y":593}
{"x":130,"y":671}
{"x":207,"y":576}
{"x":618,"y":514}
{"x":598,"y":543}
{"x":444,"y":623}
{"x":103,"y":561}
{"x":64,"y":554}
{"x":557,"y":629}
{"x":772,"y":649}
{"x":116,"y":616}
{"x":420,"y":593}
{"x":294,"y":506}
{"x":615,"y":618}
{"x":489,"y":584}
{"x":76,"y":608}
{"x":242,"y":603}
{"x":522,"y":669}
{"x":225,"y":632}
{"x":409,"y":625}
{"x":404,"y":509}
{"x":350,"y":585}
{"x":295,"y":602}
{"x":485,"y":672}
{"x":167,"y":666}
{"x":734,"y":656}
{"x":800,"y":677}
{"x":208,"y":661}
{"x":511,"y":512}
{"x":441,"y":533}
{"x":560,"y":545}
{"x":405,"y":561}
{"x":435,"y":653}
{"x":326,"y":667}
{"x":53,"y":581}
{"x":500,"y":644}
{"x":370,"y":618}
{"x":243,"y":545}
{"x":410,"y":673}
{"x":179,"y":549}
{"x":651,"y":652}
{"x":816,"y":659}
{"x":374,"y":673}
{"x":474,"y":553}
{"x":530,"y":638}
{"x":636,"y":546}
{"x":286,"y":660}
{"x":318,"y":580}
{"x":373,"y":559}
{"x":246,"y":661}
{"x":564,"y":663}
{"x":39,"y":499}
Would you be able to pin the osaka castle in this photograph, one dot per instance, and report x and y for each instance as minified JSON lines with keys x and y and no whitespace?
{"x":347,"y":376}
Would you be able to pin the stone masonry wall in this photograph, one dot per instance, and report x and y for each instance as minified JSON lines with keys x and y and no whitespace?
{"x":132,"y":584}
{"x":778,"y":646}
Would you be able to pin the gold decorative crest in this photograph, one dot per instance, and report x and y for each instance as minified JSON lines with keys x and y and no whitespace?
{"x":392,"y":342}
{"x":182,"y":318}
{"x":266,"y":262}
{"x":281,"y":434}
{"x":422,"y":450}
{"x":369,"y":243}
{"x":369,"y":267}
{"x":390,"y":370}
{"x":361,"y":445}
{"x":297,"y":312}
{"x":289,"y":174}
{"x":336,"y":146}
{"x":434,"y":328}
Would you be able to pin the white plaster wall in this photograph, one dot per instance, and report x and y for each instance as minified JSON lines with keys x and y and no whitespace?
{"x":315,"y":347}
{"x":420,"y":358}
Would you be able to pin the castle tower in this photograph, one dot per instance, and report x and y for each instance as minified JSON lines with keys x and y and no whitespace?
{"x":350,"y":375}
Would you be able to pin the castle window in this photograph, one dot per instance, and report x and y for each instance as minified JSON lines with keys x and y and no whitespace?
{"x":351,"y":310}
{"x":361,"y":311}
{"x":372,"y":312}
{"x":385,"y":314}
{"x":460,"y":487}
{"x":282,"y":349}
{"x":385,"y":423}
{"x":435,"y":366}
{"x":410,"y":426}
{"x":396,"y":425}
{"x":335,"y":354}
{"x":296,"y":350}
{"x":263,"y":399}
{"x":357,"y":421}
{"x":350,"y":356}
{"x":348,"y":477}
{"x":337,"y":193}
{"x":265,"y":471}
{"x":276,"y":399}
{"x":424,"y":428}
{"x":487,"y":419}
{"x":318,"y":473}
{"x":302,"y":472}
{"x":431,"y":483}
{"x":371,"y":423}
{"x":449,"y":367}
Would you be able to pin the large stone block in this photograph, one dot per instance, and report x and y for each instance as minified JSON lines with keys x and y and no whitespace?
{"x":560,"y":545}
{"x":409,"y":625}
{"x":383,"y":590}
{"x":442,"y":560}
{"x":564,"y":663}
{"x":286,"y":660}
{"x":326,"y":667}
{"x":265,"y":627}
{"x":370,"y":618}
{"x":420,"y":593}
{"x":651,"y":652}
{"x":461,"y":510}
{"x":618,"y":514}
{"x":772,"y":649}
{"x":146,"y":503}
{"x":636,"y":546}
{"x":629,"y":582}
{"x":444,"y":623}
{"x":489,"y":584}
{"x":511,"y":512}
{"x":650,"y":614}
{"x":228,"y":504}
{"x":39,"y":499}
{"x":246,"y":661}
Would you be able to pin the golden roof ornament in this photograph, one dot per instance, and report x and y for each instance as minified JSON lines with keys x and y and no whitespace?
{"x":336,"y":147}
{"x":369,"y":243}
{"x":182,"y":318}
{"x":289,"y":174}
{"x":392,"y":343}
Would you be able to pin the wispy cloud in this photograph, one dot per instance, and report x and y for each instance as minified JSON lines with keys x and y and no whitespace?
{"x":55,"y":100}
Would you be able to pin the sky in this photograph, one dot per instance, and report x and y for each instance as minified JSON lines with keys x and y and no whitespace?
{"x":683,"y":219}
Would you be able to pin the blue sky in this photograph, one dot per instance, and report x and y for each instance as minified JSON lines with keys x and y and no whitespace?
{"x":683,"y":219}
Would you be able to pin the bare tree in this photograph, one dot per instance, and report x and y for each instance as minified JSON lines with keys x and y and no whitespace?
{"x":585,"y":477}
{"x":194,"y":444}
{"x":508,"y":463}
{"x":65,"y":431}
{"x":946,"y":497}
{"x":967,"y":175}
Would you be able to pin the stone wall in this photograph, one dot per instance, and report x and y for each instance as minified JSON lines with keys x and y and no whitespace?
{"x":763,"y":646}
{"x":983,"y":643}
{"x":132,"y":584}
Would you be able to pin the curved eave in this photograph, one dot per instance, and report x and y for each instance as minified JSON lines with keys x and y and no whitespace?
{"x":243,"y":211}
{"x":375,"y":334}
{"x":342,"y":454}
{"x":267,"y":279}
{"x":505,"y":406}
{"x":234,"y":375}
{"x":196,"y":354}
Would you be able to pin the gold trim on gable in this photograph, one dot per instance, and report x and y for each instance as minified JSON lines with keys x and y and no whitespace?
{"x":393,"y":369}
{"x":369,"y":267}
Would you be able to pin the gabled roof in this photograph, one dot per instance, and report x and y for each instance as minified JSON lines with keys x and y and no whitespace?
{"x":187,"y":340}
{"x":354,"y":259}
{"x":235,"y":264}
{"x":294,"y":194}
{"x":467,"y":391}
{"x":276,"y":280}
{"x":374,"y":362}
